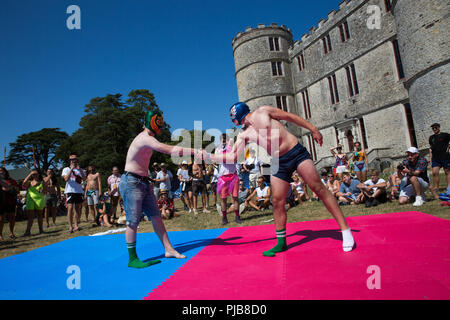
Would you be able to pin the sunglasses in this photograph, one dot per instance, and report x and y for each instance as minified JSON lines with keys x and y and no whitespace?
{"x":74,"y":159}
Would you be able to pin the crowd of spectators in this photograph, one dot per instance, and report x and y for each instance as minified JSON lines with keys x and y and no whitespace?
{"x":351,"y":181}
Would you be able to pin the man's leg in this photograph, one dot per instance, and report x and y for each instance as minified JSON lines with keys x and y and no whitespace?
{"x":309,"y":173}
{"x":435,"y":188}
{"x":417,"y":190}
{"x":161,"y":232}
{"x":279,"y":189}
{"x":70,"y":208}
{"x":77,"y":207}
{"x":223,"y":205}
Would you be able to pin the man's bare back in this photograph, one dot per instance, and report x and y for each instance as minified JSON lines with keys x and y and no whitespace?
{"x":268,"y":132}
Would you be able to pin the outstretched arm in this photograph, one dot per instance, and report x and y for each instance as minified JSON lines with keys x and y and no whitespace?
{"x":279,"y":114}
{"x":175,"y":151}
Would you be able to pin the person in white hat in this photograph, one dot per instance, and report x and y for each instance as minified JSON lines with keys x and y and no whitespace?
{"x":416,"y":179}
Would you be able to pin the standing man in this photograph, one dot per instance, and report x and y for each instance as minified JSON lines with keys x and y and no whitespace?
{"x":253,"y":167}
{"x":263,"y":127}
{"x":74,"y":176}
{"x":137,"y":190}
{"x":439,"y":155}
{"x":93,"y":191}
{"x":164,"y":180}
{"x":198,"y":186}
{"x":114,"y":193}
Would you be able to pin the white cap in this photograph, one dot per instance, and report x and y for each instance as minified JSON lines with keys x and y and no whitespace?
{"x":412,"y":150}
{"x":184,"y":162}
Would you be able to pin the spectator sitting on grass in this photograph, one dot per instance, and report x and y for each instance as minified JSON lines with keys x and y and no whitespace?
{"x":349,"y":193}
{"x":262,"y":193}
{"x":104,"y":213}
{"x":333,"y":184}
{"x":374,"y":190}
{"x":165,"y":204}
{"x":395,"y":182}
{"x":298,"y":187}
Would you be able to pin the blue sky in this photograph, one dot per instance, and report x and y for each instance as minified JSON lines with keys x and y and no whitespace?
{"x":179,"y":50}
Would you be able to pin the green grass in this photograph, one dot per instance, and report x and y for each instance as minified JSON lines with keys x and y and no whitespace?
{"x":185,"y":221}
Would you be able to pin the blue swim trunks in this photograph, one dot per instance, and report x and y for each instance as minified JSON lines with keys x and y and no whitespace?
{"x":289,"y":162}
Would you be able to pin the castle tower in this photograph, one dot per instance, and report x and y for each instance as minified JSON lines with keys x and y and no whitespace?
{"x":262,"y":65}
{"x":423,"y":39}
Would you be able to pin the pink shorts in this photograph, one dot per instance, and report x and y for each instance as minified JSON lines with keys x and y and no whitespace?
{"x":228,"y":184}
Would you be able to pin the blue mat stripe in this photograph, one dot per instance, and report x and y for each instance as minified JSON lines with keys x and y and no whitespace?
{"x":104,"y":274}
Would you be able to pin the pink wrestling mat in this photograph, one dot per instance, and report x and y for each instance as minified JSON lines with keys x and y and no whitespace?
{"x":409,"y":252}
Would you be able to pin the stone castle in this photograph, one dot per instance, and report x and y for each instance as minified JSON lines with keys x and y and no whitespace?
{"x":382,"y":85}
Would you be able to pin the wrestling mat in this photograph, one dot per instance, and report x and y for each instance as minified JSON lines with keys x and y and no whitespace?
{"x":398,"y":256}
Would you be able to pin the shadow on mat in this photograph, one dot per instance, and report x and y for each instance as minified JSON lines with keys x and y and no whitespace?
{"x":190,"y":245}
{"x":309,"y":235}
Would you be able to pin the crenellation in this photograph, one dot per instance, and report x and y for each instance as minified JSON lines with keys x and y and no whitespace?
{"x":382,"y":98}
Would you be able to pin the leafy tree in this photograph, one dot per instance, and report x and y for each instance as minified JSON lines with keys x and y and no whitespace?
{"x":44,"y":142}
{"x":108,"y":128}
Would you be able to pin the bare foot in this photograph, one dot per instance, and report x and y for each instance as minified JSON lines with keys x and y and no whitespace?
{"x":174,"y":254}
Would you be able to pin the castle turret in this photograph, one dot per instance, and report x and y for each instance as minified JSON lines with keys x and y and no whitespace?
{"x":423,"y":38}
{"x":262,"y":65}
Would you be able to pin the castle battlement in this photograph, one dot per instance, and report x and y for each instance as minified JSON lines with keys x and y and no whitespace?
{"x":325,"y":24}
{"x":260,"y":27}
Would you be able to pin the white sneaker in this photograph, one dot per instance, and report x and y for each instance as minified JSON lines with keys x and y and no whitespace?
{"x":206,"y":211}
{"x":419,"y":201}
{"x":190,"y":210}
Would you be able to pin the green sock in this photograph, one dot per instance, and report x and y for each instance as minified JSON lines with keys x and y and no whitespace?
{"x":281,"y":244}
{"x":134,"y":261}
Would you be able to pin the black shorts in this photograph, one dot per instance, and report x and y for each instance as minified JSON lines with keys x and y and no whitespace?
{"x":7,"y":208}
{"x":51,"y":200}
{"x":198,"y":186}
{"x":74,"y":198}
{"x":214,"y":187}
{"x":289,"y":162}
{"x":186,"y":186}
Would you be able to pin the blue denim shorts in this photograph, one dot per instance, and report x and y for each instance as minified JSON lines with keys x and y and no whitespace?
{"x":360,"y":166}
{"x":138,"y":198}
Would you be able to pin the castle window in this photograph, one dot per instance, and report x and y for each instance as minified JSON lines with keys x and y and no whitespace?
{"x":398,"y":60}
{"x":410,"y":124}
{"x":277,"y":70}
{"x":326,"y":41}
{"x":333,"y":89}
{"x":343,"y":30}
{"x":306,"y":108}
{"x":312,"y":147}
{"x":274,"y":44}
{"x":282,"y":103}
{"x":301,"y":62}
{"x":363,"y":133}
{"x":351,"y":80}
{"x":388,"y":5}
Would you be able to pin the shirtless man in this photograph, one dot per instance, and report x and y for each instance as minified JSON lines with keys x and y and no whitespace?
{"x":52,"y":195}
{"x":198,"y":186}
{"x":263,"y":127}
{"x":137,"y":190}
{"x":92,"y":192}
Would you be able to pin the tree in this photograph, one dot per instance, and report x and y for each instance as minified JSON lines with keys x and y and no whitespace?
{"x":108,"y":128}
{"x":37,"y":149}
